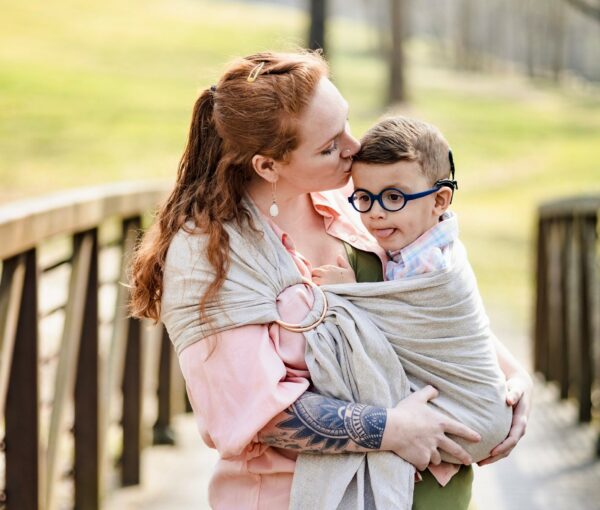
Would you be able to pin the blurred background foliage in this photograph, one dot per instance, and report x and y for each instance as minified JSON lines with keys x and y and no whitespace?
{"x":93,"y":92}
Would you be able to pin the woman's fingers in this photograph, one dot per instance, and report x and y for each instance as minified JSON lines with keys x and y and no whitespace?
{"x":436,"y":458}
{"x":458,"y":429}
{"x":425,"y":394}
{"x":453,"y":448}
{"x":491,"y":459}
{"x":518,"y":394}
{"x":514,"y":391}
{"x":517,"y":431}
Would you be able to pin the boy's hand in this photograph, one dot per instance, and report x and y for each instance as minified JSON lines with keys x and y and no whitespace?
{"x":330,"y":274}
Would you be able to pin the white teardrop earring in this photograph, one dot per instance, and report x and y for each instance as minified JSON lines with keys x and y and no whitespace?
{"x":274,"y":210}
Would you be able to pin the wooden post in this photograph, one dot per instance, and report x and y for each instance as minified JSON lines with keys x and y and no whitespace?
{"x":86,"y":426}
{"x":587,"y":233}
{"x":68,"y":355}
{"x":574,"y":307}
{"x":163,"y":432}
{"x":21,"y":441}
{"x":564,"y":269}
{"x":554,"y":302}
{"x":132,"y":388}
{"x":541,"y":310}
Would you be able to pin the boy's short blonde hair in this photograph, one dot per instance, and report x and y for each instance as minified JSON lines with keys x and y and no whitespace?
{"x":405,"y":139}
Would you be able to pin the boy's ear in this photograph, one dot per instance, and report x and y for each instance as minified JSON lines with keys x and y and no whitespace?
{"x":442,"y":200}
{"x":265,"y":167}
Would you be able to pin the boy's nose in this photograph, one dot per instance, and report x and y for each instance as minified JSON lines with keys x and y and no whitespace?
{"x":377,"y":211}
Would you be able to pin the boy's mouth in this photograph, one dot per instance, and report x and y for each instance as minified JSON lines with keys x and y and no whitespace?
{"x":383,"y":233}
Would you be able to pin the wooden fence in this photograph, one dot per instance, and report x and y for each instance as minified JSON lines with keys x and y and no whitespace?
{"x":82,"y":386}
{"x":567,"y":319}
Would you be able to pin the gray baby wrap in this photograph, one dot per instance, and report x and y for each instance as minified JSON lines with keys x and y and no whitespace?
{"x":378,"y":342}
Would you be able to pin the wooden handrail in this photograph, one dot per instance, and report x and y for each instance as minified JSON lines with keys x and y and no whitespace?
{"x":25,"y":224}
{"x":569,"y":207}
{"x":566,"y":344}
{"x":98,"y":377}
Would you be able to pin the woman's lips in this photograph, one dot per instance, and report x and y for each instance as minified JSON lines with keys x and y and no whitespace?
{"x":382,"y":233}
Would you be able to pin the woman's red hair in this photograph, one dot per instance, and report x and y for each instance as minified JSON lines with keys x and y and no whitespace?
{"x":230,"y":124}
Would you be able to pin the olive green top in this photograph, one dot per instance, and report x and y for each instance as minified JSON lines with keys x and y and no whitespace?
{"x":429,"y":495}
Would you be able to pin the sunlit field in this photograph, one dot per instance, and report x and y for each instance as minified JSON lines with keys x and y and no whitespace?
{"x":98,"y":92}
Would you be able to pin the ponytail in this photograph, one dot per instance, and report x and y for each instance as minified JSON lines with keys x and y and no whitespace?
{"x":231,"y":122}
{"x":196,"y":171}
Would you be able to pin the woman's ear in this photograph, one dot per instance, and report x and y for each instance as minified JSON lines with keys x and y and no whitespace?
{"x":265,"y":167}
{"x":442,"y":200}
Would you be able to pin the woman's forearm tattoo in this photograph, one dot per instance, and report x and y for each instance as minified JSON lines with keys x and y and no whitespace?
{"x":328,"y":424}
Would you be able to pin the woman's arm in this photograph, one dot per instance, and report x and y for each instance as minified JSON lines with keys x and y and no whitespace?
{"x":519,"y":386}
{"x":412,"y":430}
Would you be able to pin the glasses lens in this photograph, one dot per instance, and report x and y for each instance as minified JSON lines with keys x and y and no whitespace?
{"x":393,"y":200}
{"x":361,"y":201}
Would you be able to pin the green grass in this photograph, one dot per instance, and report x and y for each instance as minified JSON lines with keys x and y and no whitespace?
{"x":96,"y":92}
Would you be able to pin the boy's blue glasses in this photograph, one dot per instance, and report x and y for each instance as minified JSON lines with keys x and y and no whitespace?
{"x":390,"y":199}
{"x":393,"y":199}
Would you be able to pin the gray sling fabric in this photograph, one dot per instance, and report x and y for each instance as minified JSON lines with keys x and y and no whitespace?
{"x":379,"y":341}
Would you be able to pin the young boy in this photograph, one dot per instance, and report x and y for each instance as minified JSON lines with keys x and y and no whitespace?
{"x":403,"y":185}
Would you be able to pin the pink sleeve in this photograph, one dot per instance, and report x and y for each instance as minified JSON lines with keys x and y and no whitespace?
{"x":237,"y":382}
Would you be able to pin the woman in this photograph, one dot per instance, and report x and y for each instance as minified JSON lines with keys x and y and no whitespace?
{"x":272,"y":135}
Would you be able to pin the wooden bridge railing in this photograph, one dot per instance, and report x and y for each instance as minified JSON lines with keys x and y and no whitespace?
{"x":82,"y":385}
{"x":567,"y":319}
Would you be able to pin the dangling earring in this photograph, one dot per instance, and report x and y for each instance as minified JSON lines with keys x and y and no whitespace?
{"x":274,"y":210}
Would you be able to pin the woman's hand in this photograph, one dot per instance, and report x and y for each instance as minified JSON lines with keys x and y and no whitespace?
{"x":330,"y":274}
{"x":417,"y":433}
{"x":519,"y":389}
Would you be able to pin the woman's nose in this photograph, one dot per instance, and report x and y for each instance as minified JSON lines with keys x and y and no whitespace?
{"x":351,"y":148}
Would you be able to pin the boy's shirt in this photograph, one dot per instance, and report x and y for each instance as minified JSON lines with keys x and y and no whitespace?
{"x":429,"y":252}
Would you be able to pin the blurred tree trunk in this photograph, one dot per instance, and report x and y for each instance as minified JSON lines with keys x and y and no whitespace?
{"x":467,"y":50}
{"x":530,"y":42}
{"x":591,"y":8}
{"x":397,"y":83}
{"x":558,"y":22}
{"x":318,"y":17}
